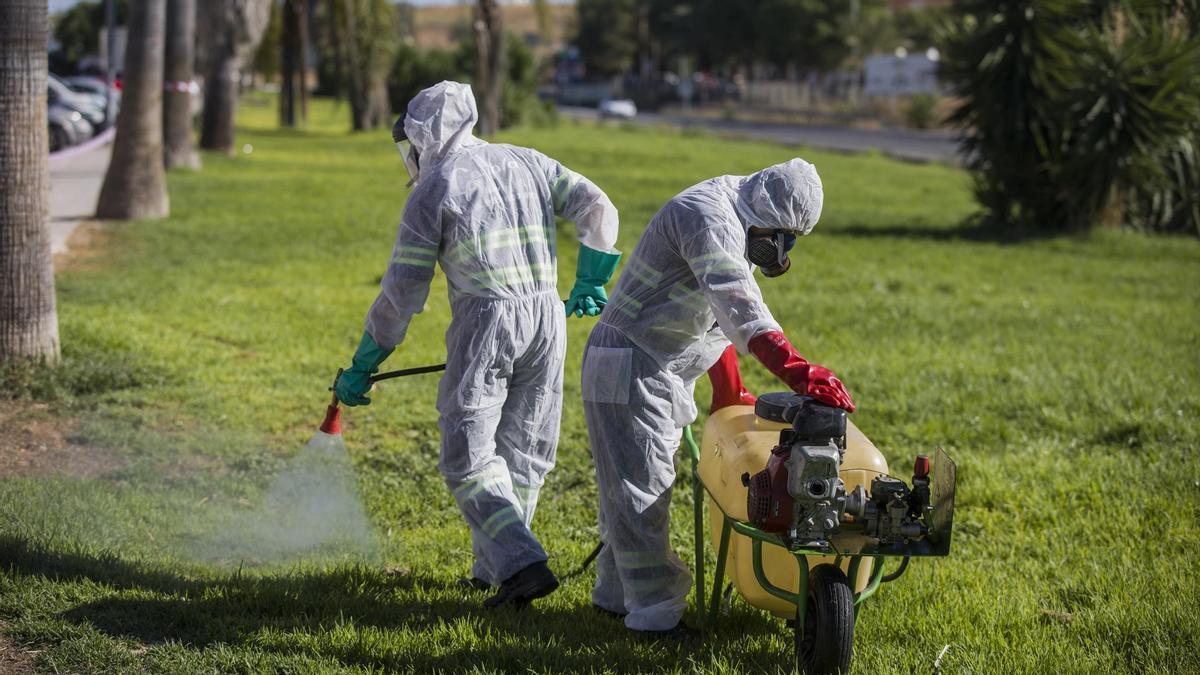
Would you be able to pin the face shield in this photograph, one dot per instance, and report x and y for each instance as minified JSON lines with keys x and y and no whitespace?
{"x":407,"y":151}
{"x":411,"y":157}
{"x":769,"y":251}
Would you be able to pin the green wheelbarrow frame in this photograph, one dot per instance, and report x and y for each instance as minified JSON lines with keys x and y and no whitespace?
{"x":799,"y":598}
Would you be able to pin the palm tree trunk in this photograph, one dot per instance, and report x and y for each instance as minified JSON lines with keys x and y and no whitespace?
{"x":379,"y":108}
{"x":177,"y":99}
{"x":293,"y":92}
{"x":237,"y":26}
{"x":287,"y":80}
{"x":220,"y":101}
{"x":489,"y":42}
{"x":356,"y":85}
{"x":337,"y":44}
{"x":135,"y":185}
{"x":28,"y":321}
{"x":302,"y":56}
{"x":369,"y":27}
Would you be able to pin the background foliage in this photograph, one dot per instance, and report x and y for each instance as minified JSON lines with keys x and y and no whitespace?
{"x":713,"y":34}
{"x":78,"y":31}
{"x":1079,"y":113}
{"x":414,"y":69}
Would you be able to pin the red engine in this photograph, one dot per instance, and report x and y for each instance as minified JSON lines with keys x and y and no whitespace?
{"x":769,"y":504}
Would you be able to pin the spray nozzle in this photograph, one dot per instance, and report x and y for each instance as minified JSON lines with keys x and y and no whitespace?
{"x":333,"y":414}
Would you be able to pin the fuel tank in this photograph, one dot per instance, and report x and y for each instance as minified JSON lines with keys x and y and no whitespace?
{"x":736,"y":442}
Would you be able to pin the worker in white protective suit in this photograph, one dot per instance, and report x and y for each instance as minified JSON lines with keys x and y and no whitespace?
{"x":688,"y":291}
{"x":485,"y":213}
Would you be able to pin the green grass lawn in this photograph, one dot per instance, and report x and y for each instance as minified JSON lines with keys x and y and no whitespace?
{"x":1063,"y":375}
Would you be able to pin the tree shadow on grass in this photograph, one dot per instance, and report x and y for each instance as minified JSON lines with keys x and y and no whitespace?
{"x":407,"y":632}
{"x":19,"y":556}
{"x":359,"y":616}
{"x":363,"y":624}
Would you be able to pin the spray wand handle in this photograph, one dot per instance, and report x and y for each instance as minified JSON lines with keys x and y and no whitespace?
{"x":385,"y":376}
{"x":408,"y":371}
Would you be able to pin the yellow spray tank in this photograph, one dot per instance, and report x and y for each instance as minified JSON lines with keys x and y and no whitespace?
{"x":738,"y":442}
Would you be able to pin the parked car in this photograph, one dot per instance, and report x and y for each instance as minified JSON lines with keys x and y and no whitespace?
{"x":90,"y":106}
{"x":620,"y":108}
{"x":67,"y":127}
{"x":94,"y":67}
{"x":88,"y":84}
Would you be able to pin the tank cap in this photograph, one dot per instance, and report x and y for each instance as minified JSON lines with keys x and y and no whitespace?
{"x":778,"y":406}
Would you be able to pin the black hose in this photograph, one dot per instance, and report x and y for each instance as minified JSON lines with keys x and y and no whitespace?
{"x":408,"y":371}
{"x":586,"y":561}
{"x":899,"y":570}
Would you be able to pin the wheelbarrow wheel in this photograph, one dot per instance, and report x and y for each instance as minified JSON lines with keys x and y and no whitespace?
{"x":825,"y":640}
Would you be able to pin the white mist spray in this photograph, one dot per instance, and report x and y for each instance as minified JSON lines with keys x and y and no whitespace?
{"x":311,"y":510}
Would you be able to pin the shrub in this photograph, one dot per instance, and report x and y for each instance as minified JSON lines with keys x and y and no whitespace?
{"x":996,"y":61}
{"x":920,"y":112}
{"x":1078,"y":113}
{"x":414,"y":70}
{"x":1128,"y":98}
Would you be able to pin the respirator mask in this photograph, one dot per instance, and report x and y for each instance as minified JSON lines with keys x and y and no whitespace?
{"x":769,"y":251}
{"x":407,"y":151}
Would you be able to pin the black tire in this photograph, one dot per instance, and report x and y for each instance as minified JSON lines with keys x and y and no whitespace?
{"x":59,"y":138}
{"x":826,"y":642}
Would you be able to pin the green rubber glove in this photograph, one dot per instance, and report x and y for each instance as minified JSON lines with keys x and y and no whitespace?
{"x":354,"y":383}
{"x":593,"y":271}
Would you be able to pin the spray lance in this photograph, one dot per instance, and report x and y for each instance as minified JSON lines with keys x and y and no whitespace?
{"x":333,"y":413}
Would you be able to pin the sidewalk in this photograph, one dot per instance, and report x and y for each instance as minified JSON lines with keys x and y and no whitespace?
{"x":75,"y":178}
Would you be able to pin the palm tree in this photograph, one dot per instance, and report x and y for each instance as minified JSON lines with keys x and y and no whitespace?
{"x":177,"y":96}
{"x":489,"y":43}
{"x":294,"y":47}
{"x":233,"y":29}
{"x":135,"y":184}
{"x":364,"y":38}
{"x":28,"y":321}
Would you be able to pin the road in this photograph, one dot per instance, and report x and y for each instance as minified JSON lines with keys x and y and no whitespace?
{"x":905,"y":144}
{"x":76,"y":175}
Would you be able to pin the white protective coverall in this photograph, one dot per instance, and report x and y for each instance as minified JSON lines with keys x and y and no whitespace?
{"x":485,"y":213}
{"x":686,"y":292}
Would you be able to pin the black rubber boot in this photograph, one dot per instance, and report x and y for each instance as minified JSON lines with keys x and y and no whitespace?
{"x":682,"y":634}
{"x":531,"y":583}
{"x":473,"y":584}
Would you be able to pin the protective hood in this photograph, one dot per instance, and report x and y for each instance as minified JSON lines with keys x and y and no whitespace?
{"x":786,"y":196}
{"x":440,"y":120}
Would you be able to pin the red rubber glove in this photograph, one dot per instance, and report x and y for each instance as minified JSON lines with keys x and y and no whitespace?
{"x":727,"y":382}
{"x":781,"y":358}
